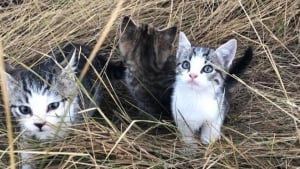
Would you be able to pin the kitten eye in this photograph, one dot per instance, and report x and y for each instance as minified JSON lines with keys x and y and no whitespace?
{"x":53,"y":106}
{"x":185,"y":65}
{"x":207,"y":69}
{"x":25,"y":110}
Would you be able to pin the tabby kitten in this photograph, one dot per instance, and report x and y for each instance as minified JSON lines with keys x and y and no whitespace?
{"x":46,"y":99}
{"x":150,"y":73}
{"x":199,"y":101}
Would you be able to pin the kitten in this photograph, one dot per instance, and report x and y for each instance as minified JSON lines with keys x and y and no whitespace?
{"x":45,"y":100}
{"x":150,"y":73}
{"x":199,"y":101}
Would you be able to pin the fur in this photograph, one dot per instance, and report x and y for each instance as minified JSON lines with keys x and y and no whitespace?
{"x":199,"y":101}
{"x":146,"y":52}
{"x":45,"y":100}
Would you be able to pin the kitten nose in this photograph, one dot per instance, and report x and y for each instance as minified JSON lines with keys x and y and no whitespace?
{"x":193,"y":75}
{"x":39,"y":125}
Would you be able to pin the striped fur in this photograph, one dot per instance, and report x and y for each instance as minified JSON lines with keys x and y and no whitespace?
{"x":199,"y":101}
{"x":45,"y":99}
{"x":150,"y":73}
{"x":35,"y":89}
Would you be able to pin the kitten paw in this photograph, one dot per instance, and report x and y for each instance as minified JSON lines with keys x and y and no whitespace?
{"x":210,"y":133}
{"x":209,"y":139}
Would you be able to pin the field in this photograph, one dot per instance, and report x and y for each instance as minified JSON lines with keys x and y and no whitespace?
{"x":262,"y":129}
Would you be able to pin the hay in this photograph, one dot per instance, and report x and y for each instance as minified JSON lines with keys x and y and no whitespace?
{"x":262,"y":130}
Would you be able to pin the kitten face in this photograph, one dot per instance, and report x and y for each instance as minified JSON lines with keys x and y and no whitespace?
{"x":40,"y":101}
{"x":40,"y":114}
{"x":202,"y":67}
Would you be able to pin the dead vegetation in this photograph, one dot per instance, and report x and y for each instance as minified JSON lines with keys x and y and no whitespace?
{"x":262,"y":130}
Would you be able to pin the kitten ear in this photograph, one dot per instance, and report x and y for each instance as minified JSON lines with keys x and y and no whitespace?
{"x":164,"y":45}
{"x":128,"y":30}
{"x":9,"y":68}
{"x":168,"y":35}
{"x":183,"y":45}
{"x":11,"y":82}
{"x":72,"y":64}
{"x":183,"y":41}
{"x":226,"y":53}
{"x":127,"y":25}
{"x":66,"y":84}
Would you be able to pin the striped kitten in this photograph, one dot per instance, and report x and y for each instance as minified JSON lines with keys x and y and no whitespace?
{"x":45,"y":100}
{"x":199,"y":101}
{"x":150,"y":65}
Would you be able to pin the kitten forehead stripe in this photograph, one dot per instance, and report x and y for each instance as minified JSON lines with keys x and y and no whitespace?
{"x":200,"y":51}
{"x":25,"y":87}
{"x":49,"y":80}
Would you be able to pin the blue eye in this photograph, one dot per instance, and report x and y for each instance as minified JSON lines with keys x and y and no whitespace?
{"x":207,"y":69}
{"x":185,"y":64}
{"x":53,"y":106}
{"x":25,"y":110}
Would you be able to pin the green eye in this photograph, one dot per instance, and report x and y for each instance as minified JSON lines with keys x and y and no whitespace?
{"x":53,"y":106}
{"x":185,"y":65}
{"x":207,"y":69}
{"x":25,"y":110}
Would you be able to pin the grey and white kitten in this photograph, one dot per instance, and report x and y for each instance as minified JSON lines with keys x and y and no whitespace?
{"x":146,"y":52}
{"x":199,"y":101}
{"x":46,"y":99}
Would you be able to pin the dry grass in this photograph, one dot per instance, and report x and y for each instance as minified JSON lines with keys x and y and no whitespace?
{"x":262,"y":130}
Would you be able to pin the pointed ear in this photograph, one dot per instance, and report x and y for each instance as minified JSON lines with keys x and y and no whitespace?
{"x":11,"y":83}
{"x":128,"y":31}
{"x":168,"y":35}
{"x":164,"y":44}
{"x":226,"y":53}
{"x":183,"y":45}
{"x":127,"y":26}
{"x":72,"y":64}
{"x":9,"y":68}
{"x":66,"y":84}
{"x":183,"y":41}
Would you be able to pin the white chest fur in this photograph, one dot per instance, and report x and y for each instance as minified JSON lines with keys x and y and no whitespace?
{"x":194,"y":106}
{"x":195,"y":109}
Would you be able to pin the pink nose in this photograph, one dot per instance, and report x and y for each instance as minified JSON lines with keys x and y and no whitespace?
{"x":193,"y":76}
